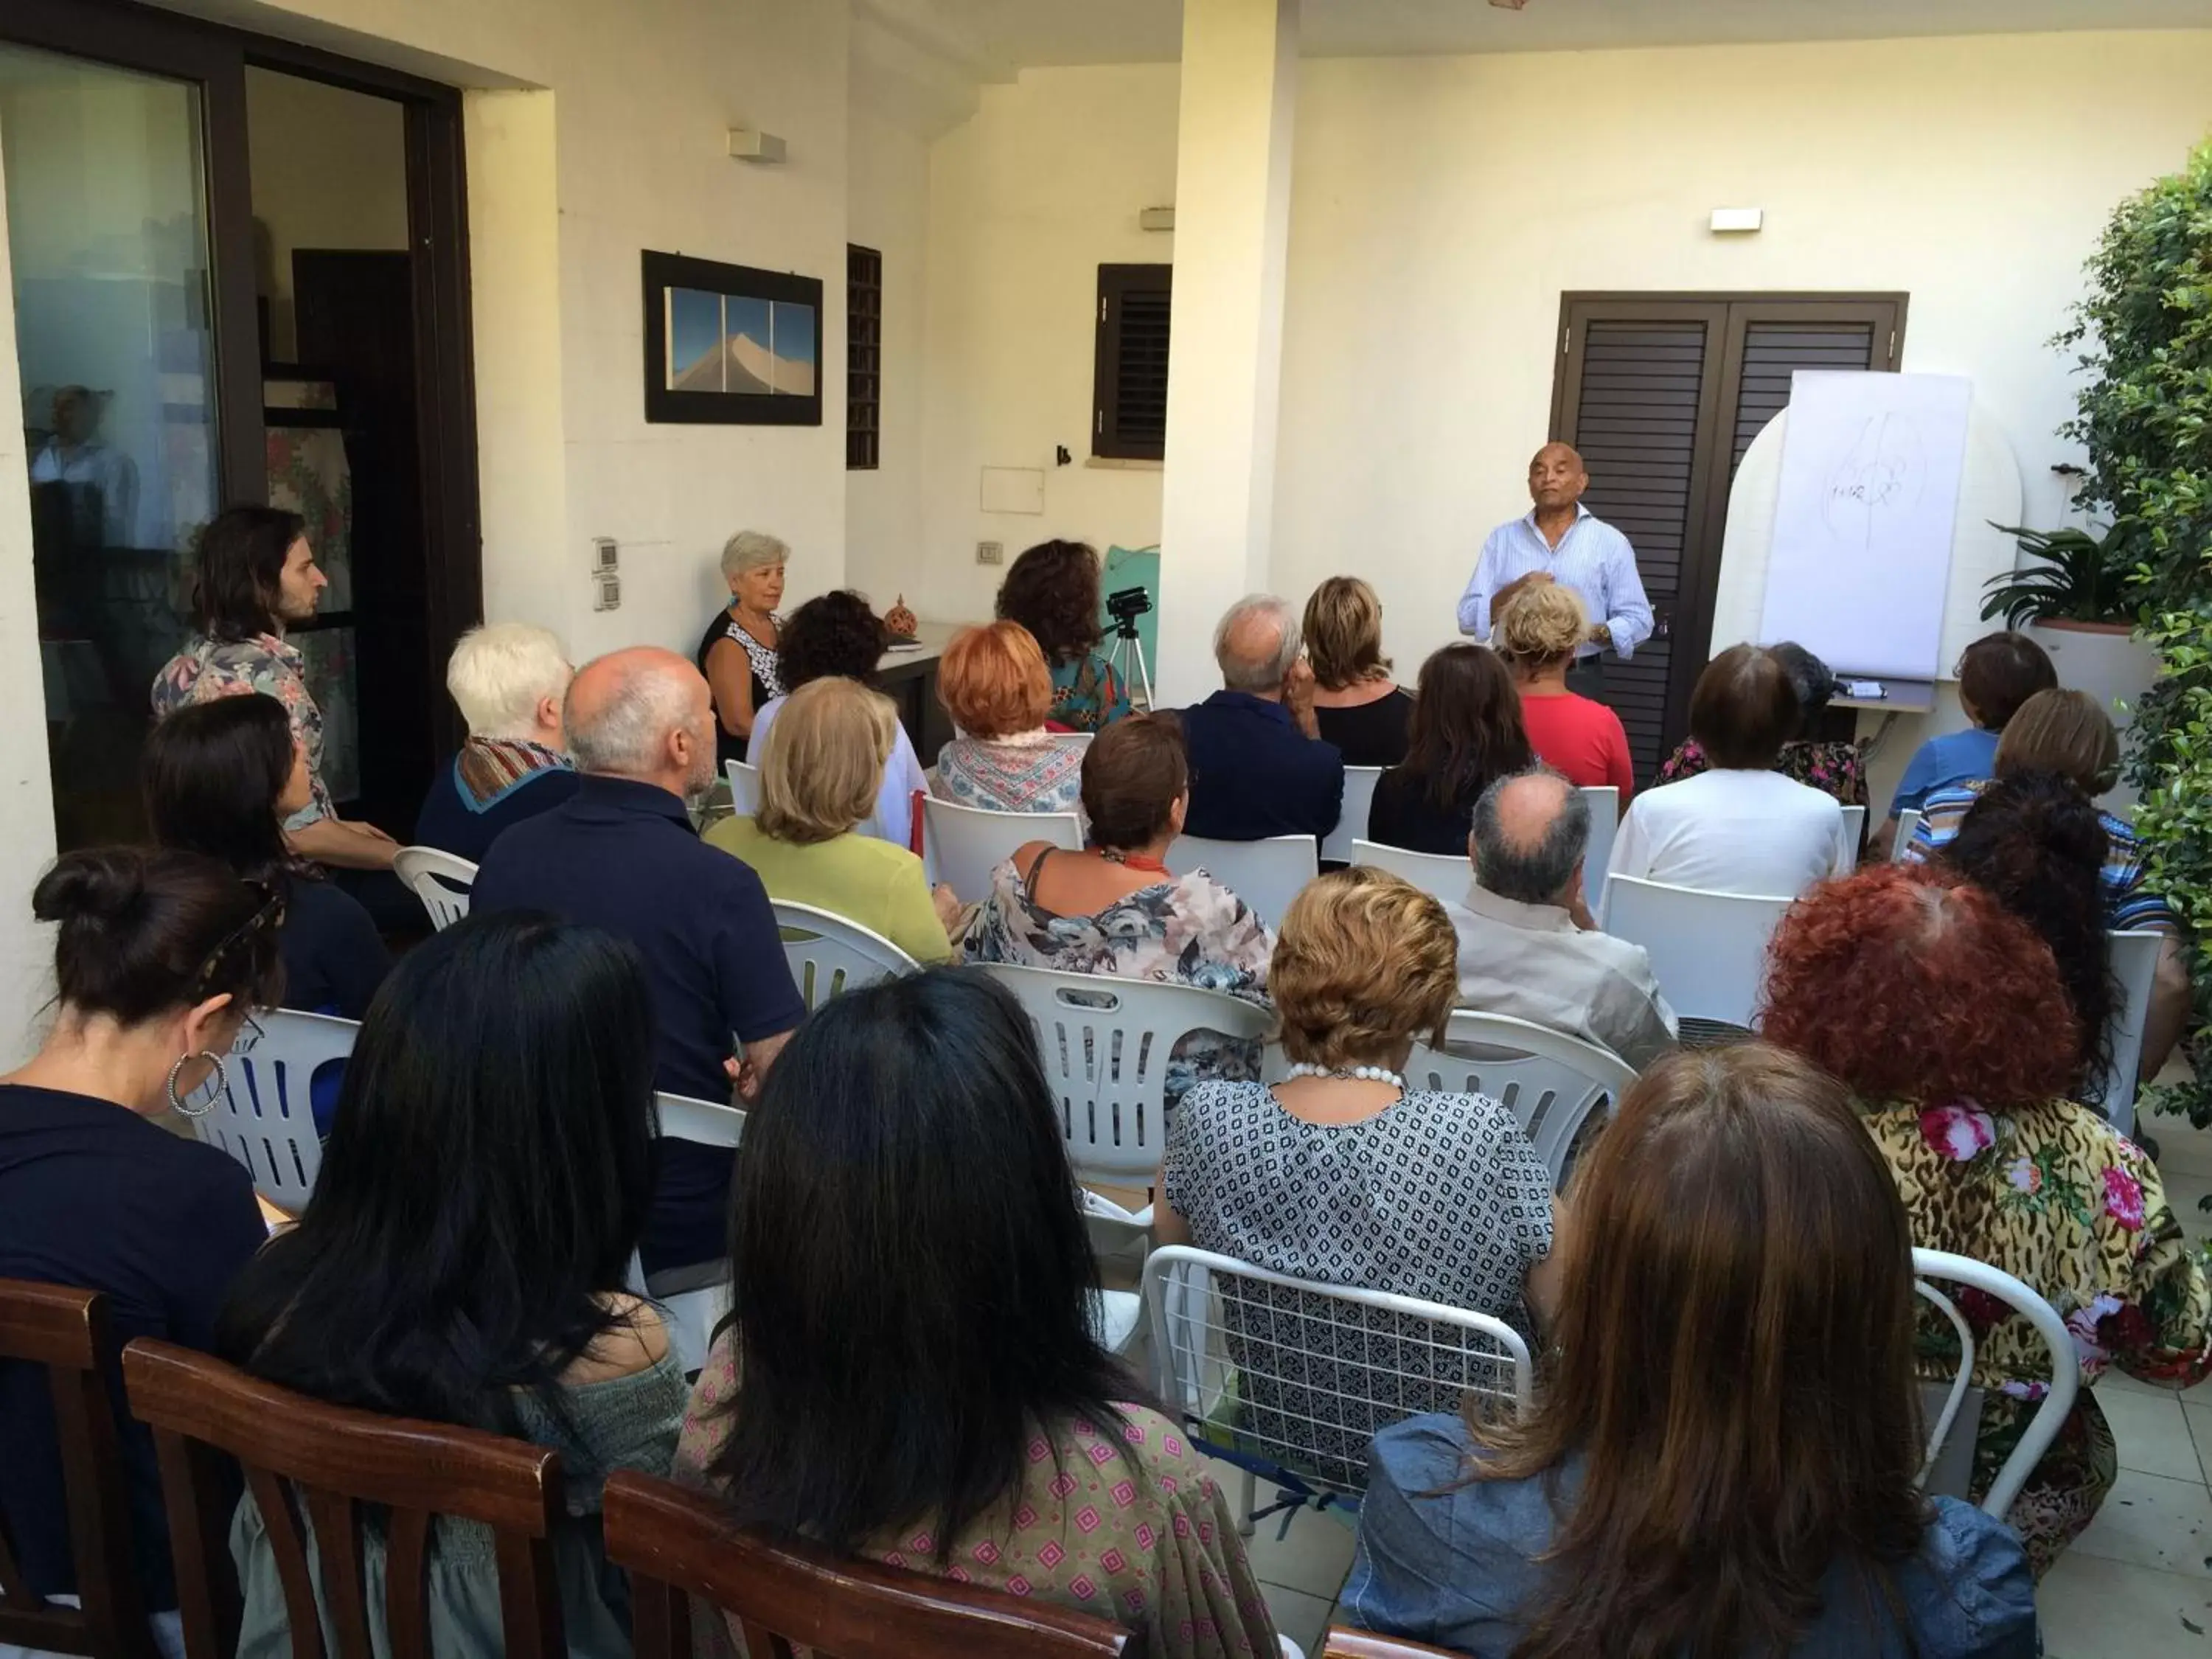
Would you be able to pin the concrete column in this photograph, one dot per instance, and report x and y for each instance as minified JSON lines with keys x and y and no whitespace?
{"x":1239,"y":92}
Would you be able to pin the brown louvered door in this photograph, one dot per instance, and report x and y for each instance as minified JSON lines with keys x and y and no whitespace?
{"x":1663,"y":394}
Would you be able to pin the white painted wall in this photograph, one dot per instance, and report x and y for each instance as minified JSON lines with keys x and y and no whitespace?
{"x":330,"y":171}
{"x":889,"y":211}
{"x":1027,"y":199}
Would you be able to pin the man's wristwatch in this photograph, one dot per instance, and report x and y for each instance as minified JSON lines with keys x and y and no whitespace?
{"x":1602,"y":633}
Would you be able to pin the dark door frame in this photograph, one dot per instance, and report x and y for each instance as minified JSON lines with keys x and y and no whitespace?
{"x":1727,"y":316}
{"x":215,"y":57}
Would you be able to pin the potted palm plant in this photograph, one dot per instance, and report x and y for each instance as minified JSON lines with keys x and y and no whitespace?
{"x":2076,"y":595}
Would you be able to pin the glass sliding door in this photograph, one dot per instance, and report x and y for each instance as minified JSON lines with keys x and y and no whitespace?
{"x":107,"y":227}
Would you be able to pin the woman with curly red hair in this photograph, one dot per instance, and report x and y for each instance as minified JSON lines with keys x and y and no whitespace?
{"x":1946,"y":1015}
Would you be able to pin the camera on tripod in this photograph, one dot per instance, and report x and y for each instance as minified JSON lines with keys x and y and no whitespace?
{"x":1125,"y":607}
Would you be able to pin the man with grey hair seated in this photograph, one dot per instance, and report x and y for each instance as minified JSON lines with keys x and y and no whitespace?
{"x":621,"y":855}
{"x":1528,"y":947}
{"x":1258,"y":767}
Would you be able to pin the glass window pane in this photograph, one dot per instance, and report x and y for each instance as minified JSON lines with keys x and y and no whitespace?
{"x":107,"y":236}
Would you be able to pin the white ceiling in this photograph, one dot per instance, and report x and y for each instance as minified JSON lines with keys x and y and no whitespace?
{"x":998,"y":36}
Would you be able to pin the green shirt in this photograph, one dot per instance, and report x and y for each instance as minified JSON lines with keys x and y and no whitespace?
{"x":857,"y":877}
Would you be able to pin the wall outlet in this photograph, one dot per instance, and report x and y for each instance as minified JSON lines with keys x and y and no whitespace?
{"x":607,"y":555}
{"x":610,"y":593}
{"x":990,"y":552}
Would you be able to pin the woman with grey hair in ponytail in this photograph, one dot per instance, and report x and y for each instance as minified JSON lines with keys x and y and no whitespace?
{"x":160,"y":957}
{"x":738,"y":654}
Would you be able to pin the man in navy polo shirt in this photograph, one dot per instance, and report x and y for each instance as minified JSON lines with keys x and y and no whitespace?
{"x":622,"y":855}
{"x":1258,"y":767}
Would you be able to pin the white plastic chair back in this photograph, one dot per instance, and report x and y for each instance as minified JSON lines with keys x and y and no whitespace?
{"x":1301,"y":1375}
{"x":2065,"y":1369}
{"x":1266,"y":874}
{"x":691,"y":1315}
{"x":265,"y":1116}
{"x":744,"y":787}
{"x":2135,"y":965}
{"x":1908,"y":822}
{"x":1854,"y":832}
{"x":1550,"y":1082}
{"x":1351,"y":823}
{"x":829,"y":954}
{"x":1443,"y":878}
{"x":966,"y":843}
{"x":1708,"y":949}
{"x":1605,"y":823}
{"x":1105,"y":1044}
{"x":440,"y":880}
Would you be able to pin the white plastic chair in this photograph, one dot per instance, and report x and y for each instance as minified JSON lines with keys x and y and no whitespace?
{"x":1443,"y":878}
{"x":2135,"y":965}
{"x":1266,"y":874}
{"x":2065,"y":1368}
{"x":966,"y":843}
{"x":265,"y":1115}
{"x":830,"y":955}
{"x":691,"y":1315}
{"x":1550,"y":1082}
{"x":1597,"y":858}
{"x":744,"y":787}
{"x":440,"y":880}
{"x":1908,"y":822}
{"x":1351,"y":823}
{"x":1854,"y":832}
{"x":1105,"y":1044}
{"x":1708,"y":949}
{"x":1234,"y":1346}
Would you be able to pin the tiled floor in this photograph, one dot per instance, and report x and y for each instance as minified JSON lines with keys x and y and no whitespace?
{"x":2138,"y":1583}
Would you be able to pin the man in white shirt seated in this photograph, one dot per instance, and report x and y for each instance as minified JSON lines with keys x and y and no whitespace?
{"x":1741,"y":827}
{"x":1528,"y":947}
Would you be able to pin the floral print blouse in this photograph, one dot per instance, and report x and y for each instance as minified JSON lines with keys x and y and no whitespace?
{"x":1832,"y":767}
{"x":1122,"y":1521}
{"x":1087,"y":694}
{"x":2055,"y":1197}
{"x":265,"y":663}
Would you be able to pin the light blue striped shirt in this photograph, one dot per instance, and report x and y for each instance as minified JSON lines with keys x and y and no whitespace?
{"x":1592,"y":558}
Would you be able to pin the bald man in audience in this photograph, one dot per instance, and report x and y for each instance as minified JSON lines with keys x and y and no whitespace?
{"x":621,"y":855}
{"x":1527,"y":945}
{"x":1561,"y":541}
{"x":1258,"y":766}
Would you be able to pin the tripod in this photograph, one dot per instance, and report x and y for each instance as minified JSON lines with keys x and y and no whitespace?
{"x":1127,"y":657}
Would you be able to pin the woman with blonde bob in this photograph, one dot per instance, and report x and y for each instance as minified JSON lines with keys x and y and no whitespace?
{"x":1341,"y":1174}
{"x":1538,"y":635}
{"x":994,"y":684}
{"x":1358,"y":707}
{"x":822,"y":765}
{"x":1722,"y":1459}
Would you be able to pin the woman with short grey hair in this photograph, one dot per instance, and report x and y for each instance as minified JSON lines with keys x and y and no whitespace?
{"x":737,"y":654}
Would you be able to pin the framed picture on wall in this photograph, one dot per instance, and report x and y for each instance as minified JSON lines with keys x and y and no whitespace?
{"x":729,"y":345}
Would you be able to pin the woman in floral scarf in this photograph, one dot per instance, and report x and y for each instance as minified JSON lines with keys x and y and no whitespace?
{"x":1947,"y":1018}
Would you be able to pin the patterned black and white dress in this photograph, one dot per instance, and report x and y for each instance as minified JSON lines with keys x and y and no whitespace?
{"x":1439,"y":1196}
{"x":767,"y":675}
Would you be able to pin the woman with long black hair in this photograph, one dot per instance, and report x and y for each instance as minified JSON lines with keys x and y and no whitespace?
{"x":912,"y":1375}
{"x":465,"y":1254}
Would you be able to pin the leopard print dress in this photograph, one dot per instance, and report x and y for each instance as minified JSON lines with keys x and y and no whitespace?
{"x":2059,"y":1200}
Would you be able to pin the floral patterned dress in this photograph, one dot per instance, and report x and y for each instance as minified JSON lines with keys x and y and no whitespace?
{"x":1832,"y":767}
{"x":1123,"y":1523}
{"x":2058,"y":1198}
{"x":1087,"y":694}
{"x":1189,"y":928}
{"x":1031,"y":772}
{"x":265,"y":663}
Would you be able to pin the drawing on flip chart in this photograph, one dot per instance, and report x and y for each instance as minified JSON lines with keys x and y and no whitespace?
{"x":1875,"y":484}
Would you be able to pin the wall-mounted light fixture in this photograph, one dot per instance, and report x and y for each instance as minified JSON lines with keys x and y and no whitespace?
{"x":1156,"y":218}
{"x":1738,"y":221}
{"x":751,"y":144}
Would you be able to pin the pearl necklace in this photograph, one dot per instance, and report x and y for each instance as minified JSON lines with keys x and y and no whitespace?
{"x":1363,"y":1074}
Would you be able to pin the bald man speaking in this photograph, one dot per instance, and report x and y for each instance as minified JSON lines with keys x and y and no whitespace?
{"x":1562,"y":542}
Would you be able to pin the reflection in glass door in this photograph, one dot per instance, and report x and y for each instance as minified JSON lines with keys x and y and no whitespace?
{"x":107,"y":234}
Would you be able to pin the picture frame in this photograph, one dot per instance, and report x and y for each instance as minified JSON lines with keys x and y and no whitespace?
{"x":730,"y":346}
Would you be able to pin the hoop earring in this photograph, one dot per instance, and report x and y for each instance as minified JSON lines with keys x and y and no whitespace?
{"x":221,"y":1082}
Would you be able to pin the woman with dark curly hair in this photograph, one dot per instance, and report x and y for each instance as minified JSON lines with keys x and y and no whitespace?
{"x":1052,"y":590}
{"x":1947,"y":1018}
{"x":2036,"y":843}
{"x":836,"y":633}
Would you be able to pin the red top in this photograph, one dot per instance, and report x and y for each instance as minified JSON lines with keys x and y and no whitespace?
{"x":1581,"y":738}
